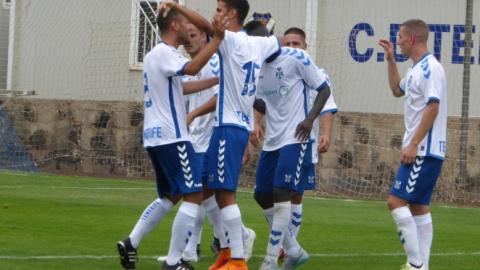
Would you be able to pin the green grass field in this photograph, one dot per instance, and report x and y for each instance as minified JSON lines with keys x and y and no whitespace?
{"x":60,"y":222}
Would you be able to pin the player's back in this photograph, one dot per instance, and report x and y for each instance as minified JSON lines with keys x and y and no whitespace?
{"x":165,"y":112}
{"x":241,"y":57}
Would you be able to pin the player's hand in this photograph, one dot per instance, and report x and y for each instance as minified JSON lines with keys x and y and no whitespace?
{"x":220,"y":23}
{"x":303,"y":130}
{"x":256,"y":136}
{"x":165,"y":7}
{"x":387,"y":48}
{"x":323,"y":144}
{"x":246,"y":155}
{"x":409,"y":154}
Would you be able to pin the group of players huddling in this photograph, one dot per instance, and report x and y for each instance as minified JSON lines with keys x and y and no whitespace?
{"x":201,"y":113}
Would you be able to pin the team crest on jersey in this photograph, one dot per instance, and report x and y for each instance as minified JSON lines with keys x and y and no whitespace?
{"x":279,"y":73}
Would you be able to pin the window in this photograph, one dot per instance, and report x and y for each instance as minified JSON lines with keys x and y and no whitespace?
{"x":144,"y":34}
{"x":6,"y":4}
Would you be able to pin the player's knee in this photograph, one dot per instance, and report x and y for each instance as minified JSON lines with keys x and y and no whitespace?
{"x":281,"y":195}
{"x":296,"y":198}
{"x":264,"y":200}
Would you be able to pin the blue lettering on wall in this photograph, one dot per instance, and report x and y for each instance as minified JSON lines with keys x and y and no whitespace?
{"x":438,"y":29}
{"x":394,"y":28}
{"x":458,"y":43}
{"x":357,"y":56}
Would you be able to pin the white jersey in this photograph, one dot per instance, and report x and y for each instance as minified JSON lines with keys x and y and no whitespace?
{"x":330,"y":107}
{"x":241,"y":57}
{"x":424,"y":82}
{"x":284,"y":86}
{"x":201,"y":128}
{"x":165,"y":113}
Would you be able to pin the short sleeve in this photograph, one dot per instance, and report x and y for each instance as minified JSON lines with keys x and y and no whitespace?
{"x":330,"y":106}
{"x":314,"y":77}
{"x":432,"y":85}
{"x":269,"y":47}
{"x":171,"y":62}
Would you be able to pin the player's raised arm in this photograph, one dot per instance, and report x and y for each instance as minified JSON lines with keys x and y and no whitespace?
{"x":220,"y":23}
{"x":393,"y":75}
{"x":196,"y":19}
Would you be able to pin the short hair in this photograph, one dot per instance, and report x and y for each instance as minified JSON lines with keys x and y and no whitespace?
{"x":296,"y":31}
{"x":241,"y":6}
{"x":418,"y":28}
{"x":164,"y":23}
{"x":256,"y":28}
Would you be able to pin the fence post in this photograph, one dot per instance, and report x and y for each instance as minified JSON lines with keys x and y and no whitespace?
{"x":464,"y":127}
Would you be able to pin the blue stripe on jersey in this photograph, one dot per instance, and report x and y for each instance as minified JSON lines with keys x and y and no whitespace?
{"x":332,"y":111}
{"x":435,"y":156}
{"x":305,"y":100}
{"x":172,"y":107}
{"x":221,"y":91}
{"x":429,"y":141}
{"x":433,"y":99}
{"x":324,"y":84}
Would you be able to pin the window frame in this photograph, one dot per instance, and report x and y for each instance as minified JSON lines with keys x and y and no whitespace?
{"x":134,"y":62}
{"x":7,"y":4}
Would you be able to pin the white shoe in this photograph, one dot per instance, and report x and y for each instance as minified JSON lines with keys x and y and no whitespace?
{"x":408,"y":266}
{"x":269,"y":264}
{"x":248,"y":243}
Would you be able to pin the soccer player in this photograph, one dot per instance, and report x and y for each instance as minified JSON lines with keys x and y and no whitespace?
{"x":165,"y":133}
{"x":295,"y":37}
{"x":241,"y":58}
{"x":201,"y":129}
{"x":284,"y":86}
{"x":424,"y":143}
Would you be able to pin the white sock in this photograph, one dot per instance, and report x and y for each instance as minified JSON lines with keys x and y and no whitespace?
{"x":191,"y":248}
{"x":281,"y":219}
{"x":425,"y":236}
{"x":149,"y":219}
{"x":232,"y":220}
{"x":245,"y":232}
{"x":182,"y":228}
{"x":407,"y":231}
{"x":269,"y":216}
{"x":215,"y":217}
{"x":296,"y":219}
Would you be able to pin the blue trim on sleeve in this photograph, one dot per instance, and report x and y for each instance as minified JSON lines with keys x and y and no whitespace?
{"x":172,"y":107}
{"x":276,"y":54}
{"x":221,"y":90}
{"x":436,"y":156}
{"x":401,"y":89}
{"x":181,"y":72}
{"x":332,"y":111}
{"x":433,"y":99}
{"x":324,"y":84}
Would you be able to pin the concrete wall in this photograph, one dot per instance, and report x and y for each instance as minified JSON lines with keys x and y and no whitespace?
{"x":104,"y":139}
{"x":4,"y":25}
{"x":77,"y":50}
